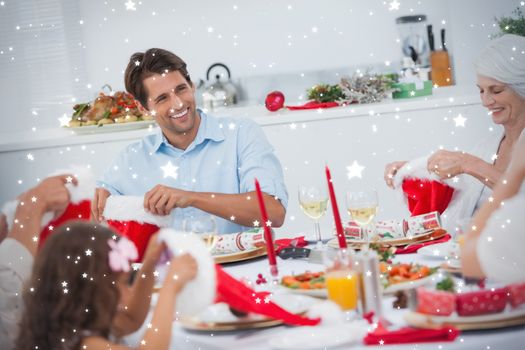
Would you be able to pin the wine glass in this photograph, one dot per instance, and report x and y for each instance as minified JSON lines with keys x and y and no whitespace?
{"x":204,"y":226}
{"x":313,"y":201}
{"x":362,"y":208}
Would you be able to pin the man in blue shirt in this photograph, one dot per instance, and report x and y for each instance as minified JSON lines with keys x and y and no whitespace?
{"x":195,"y":163}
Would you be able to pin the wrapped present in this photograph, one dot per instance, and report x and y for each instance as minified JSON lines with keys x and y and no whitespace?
{"x":127,"y":216}
{"x":239,"y":241}
{"x":481,"y":302}
{"x":516,"y":294}
{"x":435,"y":302}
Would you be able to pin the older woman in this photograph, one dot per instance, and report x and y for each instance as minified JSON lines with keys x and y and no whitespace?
{"x":501,"y":81}
{"x":493,"y":247}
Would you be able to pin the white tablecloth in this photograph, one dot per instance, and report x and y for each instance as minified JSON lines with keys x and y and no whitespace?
{"x":504,"y":339}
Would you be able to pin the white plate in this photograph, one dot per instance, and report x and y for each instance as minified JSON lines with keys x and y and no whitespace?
{"x":440,"y":251}
{"x":317,"y":293}
{"x":320,"y":337}
{"x":411,"y":284}
{"x":95,"y":129}
{"x":509,"y":317}
{"x":220,"y":312}
{"x":509,"y":312}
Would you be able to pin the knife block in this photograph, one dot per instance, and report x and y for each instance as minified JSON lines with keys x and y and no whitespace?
{"x":441,"y":72}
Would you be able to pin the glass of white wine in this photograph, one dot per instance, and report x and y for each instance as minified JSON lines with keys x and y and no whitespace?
{"x":204,"y":226}
{"x":362,"y":208}
{"x":313,"y":201}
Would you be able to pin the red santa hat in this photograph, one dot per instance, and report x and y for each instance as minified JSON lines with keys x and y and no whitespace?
{"x":79,"y":207}
{"x":423,"y":191}
{"x":213,"y":284}
{"x":127,"y":216}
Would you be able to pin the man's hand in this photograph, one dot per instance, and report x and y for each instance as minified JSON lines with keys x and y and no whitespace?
{"x":391,"y":170}
{"x":447,"y":164}
{"x":161,"y":200}
{"x":99,"y":203}
{"x":49,"y":195}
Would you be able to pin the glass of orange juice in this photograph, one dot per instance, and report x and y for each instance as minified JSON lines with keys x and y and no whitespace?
{"x":341,"y":278}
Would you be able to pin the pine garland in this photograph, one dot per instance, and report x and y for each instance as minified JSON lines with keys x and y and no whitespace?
{"x":509,"y":25}
{"x":366,"y":88}
{"x":325,"y":93}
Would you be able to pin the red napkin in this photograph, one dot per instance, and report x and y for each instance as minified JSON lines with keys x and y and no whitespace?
{"x":415,"y":247}
{"x":138,"y":233}
{"x":382,"y":336}
{"x":79,"y":211}
{"x":425,"y":196}
{"x":241,"y":297}
{"x":298,"y":242}
{"x":314,"y":105}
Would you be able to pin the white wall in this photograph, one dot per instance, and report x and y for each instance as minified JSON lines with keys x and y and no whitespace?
{"x":251,"y":36}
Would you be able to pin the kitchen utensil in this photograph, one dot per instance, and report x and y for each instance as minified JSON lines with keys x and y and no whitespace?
{"x":430,"y":37}
{"x":440,"y":63}
{"x":414,"y":38}
{"x":443,"y":42}
{"x":219,"y":94}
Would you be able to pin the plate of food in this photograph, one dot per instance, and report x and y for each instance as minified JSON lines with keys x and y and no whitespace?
{"x":220,"y":317}
{"x":396,"y":277}
{"x":393,"y":278}
{"x":309,"y":283}
{"x":114,"y":111}
{"x":242,"y":255}
{"x":477,"y":308}
{"x":356,"y":243}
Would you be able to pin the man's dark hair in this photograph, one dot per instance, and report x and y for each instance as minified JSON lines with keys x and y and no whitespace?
{"x":144,"y":64}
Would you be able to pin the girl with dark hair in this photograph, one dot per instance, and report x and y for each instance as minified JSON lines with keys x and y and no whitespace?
{"x":79,"y":298}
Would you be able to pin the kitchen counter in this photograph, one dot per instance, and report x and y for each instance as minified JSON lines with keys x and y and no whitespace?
{"x":57,"y":137}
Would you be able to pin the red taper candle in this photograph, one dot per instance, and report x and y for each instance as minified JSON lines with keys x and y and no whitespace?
{"x":267,"y":232}
{"x":337,"y":218}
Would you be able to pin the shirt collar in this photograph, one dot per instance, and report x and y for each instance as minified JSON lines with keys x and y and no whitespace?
{"x":209,"y":129}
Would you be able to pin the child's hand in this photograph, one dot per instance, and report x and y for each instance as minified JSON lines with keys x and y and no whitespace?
{"x":183,"y":269}
{"x":50,"y":194}
{"x":153,"y":251}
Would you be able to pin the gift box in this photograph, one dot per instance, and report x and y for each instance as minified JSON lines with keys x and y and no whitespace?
{"x":481,"y":302}
{"x":516,"y":294}
{"x":410,"y":90}
{"x":435,"y":302}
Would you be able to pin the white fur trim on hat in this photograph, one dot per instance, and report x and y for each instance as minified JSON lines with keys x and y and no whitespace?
{"x":82,"y":191}
{"x":131,"y":208}
{"x":328,"y":311}
{"x":85,"y":188}
{"x":199,"y":293}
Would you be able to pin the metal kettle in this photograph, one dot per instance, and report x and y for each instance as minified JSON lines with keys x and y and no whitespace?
{"x":219,"y":94}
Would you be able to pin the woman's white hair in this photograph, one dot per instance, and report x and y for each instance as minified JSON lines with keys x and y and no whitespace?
{"x":504,"y":60}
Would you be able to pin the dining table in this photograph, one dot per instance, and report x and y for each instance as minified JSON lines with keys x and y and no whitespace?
{"x":502,"y":338}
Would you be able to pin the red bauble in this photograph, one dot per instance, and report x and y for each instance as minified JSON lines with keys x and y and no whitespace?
{"x":274,"y":101}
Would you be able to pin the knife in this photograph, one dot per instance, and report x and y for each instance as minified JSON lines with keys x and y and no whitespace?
{"x":443,"y":43}
{"x":430,"y":37}
{"x":310,"y":255}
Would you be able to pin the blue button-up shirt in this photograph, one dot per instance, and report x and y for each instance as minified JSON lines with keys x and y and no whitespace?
{"x":225,"y":157}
